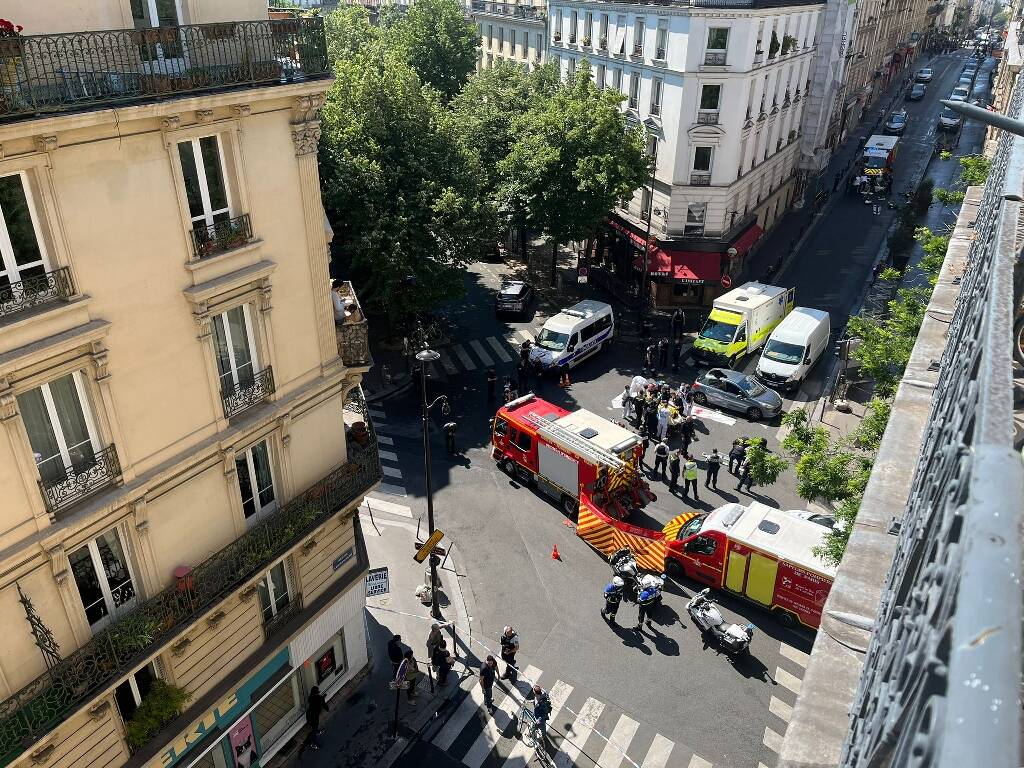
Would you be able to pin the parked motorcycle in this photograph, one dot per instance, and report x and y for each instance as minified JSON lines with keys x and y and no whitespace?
{"x":624,"y":566}
{"x":731,"y":638}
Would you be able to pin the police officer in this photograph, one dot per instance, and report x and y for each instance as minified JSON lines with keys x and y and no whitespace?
{"x":492,"y":380}
{"x":612,"y":598}
{"x":644,"y":603}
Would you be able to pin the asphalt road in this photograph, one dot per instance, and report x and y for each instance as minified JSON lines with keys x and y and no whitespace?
{"x":708,"y":708}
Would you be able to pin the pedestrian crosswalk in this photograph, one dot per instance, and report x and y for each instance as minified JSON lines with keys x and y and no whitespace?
{"x":580,"y":727}
{"x":479,"y":354}
{"x":387,"y":495}
{"x":788,"y":676}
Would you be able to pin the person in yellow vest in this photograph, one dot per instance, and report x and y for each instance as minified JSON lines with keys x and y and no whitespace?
{"x":690,"y":477}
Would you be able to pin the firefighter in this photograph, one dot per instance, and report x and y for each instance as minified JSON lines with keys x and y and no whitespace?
{"x":612,"y":598}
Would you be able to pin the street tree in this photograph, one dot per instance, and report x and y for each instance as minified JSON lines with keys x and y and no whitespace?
{"x":401,"y":192}
{"x":439,"y":43}
{"x":765,"y":466}
{"x":348,"y":30}
{"x":574,"y":157}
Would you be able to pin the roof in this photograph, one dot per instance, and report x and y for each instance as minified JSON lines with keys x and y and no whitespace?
{"x":762,"y":527}
{"x":598,"y":430}
{"x":512,"y":287}
{"x":724,"y":373}
{"x":587,"y":308}
{"x":798,"y":323}
{"x":885,"y":143}
{"x":750,"y":295}
{"x":562,"y":323}
{"x":530,"y":403}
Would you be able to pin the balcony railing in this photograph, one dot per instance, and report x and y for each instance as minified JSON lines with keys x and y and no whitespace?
{"x":707,"y":118}
{"x":714,"y":58}
{"x":272,"y":625}
{"x":700,"y":179}
{"x":36,"y":290}
{"x":137,"y":634}
{"x":252,"y":391}
{"x":83,"y":478}
{"x":509,"y":9}
{"x":352,"y":330}
{"x":42,"y":74}
{"x":221,"y":236}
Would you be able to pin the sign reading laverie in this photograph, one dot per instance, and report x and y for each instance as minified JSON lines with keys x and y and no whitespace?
{"x":377,"y":582}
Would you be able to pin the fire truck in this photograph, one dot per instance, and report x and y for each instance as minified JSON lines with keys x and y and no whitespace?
{"x":562,"y":452}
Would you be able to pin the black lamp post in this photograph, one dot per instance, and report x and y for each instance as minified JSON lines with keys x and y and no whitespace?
{"x":427,"y":356}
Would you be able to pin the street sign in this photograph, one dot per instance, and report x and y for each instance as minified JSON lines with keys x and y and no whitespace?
{"x":582,"y":275}
{"x":726,"y":281}
{"x":428,"y":545}
{"x":377,"y":582}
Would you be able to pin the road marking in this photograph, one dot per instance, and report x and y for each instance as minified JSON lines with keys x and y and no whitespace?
{"x":373,"y":504}
{"x":499,"y":350}
{"x":383,"y":427}
{"x":467,"y":711}
{"x":702,"y":412}
{"x":618,"y":743}
{"x":389,"y":455}
{"x":787,"y":680}
{"x":793,"y":654}
{"x":393,"y":490}
{"x":377,"y":413}
{"x":464,"y":357}
{"x":658,"y":754}
{"x":385,"y":440}
{"x":521,"y":754}
{"x":772,"y":740}
{"x":493,"y":726}
{"x":449,"y":367}
{"x":780,"y":709}
{"x":578,"y":732}
{"x":699,"y":762}
{"x":394,"y":472}
{"x":525,"y":336}
{"x":481,"y":353}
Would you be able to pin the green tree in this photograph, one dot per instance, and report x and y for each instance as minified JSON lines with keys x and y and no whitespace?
{"x":885,"y":346}
{"x":974,"y":170}
{"x":765,"y":466}
{"x":573,"y":159}
{"x":439,"y":43}
{"x":868,"y":435}
{"x":934,"y":247}
{"x":348,"y":31}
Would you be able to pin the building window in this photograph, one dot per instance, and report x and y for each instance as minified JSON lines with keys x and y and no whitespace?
{"x":574,"y":20}
{"x":638,"y":37}
{"x":103,"y":578}
{"x":645,"y":203}
{"x":570,"y":68}
{"x":540,"y":45}
{"x":710,"y":96}
{"x":202,"y":166}
{"x":620,"y":35}
{"x":634,"y":90}
{"x":21,"y":256}
{"x":661,"y":44}
{"x":656,"y":88}
{"x":702,"y":159}
{"x":501,"y":41}
{"x":60,"y":427}
{"x":273,"y":589}
{"x":490,"y":35}
{"x":617,"y":80}
{"x":600,"y":76}
{"x":695,"y":213}
{"x":129,"y":694}
{"x":233,"y":345}
{"x":255,"y":481}
{"x":718,"y":38}
{"x":512,"y":42}
{"x":652,"y":146}
{"x":588,"y":29}
{"x":558,"y":26}
{"x":602,"y":40}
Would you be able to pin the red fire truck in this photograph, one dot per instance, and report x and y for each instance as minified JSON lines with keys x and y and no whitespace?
{"x":758,"y":552}
{"x":561,"y":452}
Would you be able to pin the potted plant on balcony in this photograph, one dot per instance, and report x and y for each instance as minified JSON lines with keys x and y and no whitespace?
{"x":159,"y":706}
{"x":12,"y":47}
{"x":603,"y":43}
{"x":586,"y":40}
{"x":558,"y":37}
{"x":773,"y":46}
{"x":788,"y":44}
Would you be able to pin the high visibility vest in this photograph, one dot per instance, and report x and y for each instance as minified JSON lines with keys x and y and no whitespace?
{"x":690,"y":473}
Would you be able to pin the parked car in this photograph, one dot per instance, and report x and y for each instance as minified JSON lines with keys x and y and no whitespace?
{"x":960,"y":93}
{"x":737,"y":392}
{"x":966,"y":81}
{"x":897,"y":122}
{"x":515,"y":296}
{"x":923,"y":75}
{"x":949,"y":120}
{"x":971,"y":66}
{"x":916,"y":93}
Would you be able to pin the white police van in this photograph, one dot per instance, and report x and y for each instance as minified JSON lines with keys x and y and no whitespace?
{"x":573,"y":335}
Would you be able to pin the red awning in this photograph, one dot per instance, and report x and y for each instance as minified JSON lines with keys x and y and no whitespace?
{"x":688,"y":266}
{"x":743,"y":243}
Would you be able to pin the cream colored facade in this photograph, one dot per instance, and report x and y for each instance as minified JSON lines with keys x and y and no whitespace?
{"x":177,"y":486}
{"x":510,"y":31}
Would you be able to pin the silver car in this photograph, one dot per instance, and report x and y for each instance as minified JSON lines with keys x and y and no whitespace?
{"x":737,"y":392}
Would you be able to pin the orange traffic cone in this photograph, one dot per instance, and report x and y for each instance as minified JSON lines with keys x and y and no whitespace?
{"x":554,"y":553}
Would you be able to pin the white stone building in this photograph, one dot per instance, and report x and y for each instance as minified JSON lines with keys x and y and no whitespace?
{"x":510,"y":31}
{"x":722,"y":83}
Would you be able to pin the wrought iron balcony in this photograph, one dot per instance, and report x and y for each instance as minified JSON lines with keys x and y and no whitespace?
{"x":88,"y":474}
{"x":43,"y":74}
{"x":707,"y":118}
{"x":700,"y":179}
{"x":157,"y":622}
{"x":247,"y":393}
{"x":221,"y":236}
{"x":509,"y":9}
{"x":272,"y":625}
{"x":36,"y":290}
{"x":714,"y":58}
{"x":352,"y":330}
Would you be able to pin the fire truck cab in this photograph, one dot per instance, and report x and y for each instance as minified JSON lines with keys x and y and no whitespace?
{"x":560,"y":451}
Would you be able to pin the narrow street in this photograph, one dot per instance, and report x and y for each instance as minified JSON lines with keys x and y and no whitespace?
{"x":721,"y":713}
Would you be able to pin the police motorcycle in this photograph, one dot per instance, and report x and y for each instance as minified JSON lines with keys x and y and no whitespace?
{"x":731,"y":638}
{"x":624,"y":566}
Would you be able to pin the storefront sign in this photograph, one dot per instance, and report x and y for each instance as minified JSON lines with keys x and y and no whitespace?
{"x":243,"y":745}
{"x":343,"y":558}
{"x":377,"y":582}
{"x":326,"y":665}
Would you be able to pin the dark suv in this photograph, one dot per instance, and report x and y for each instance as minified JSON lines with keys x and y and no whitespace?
{"x":517,"y":297}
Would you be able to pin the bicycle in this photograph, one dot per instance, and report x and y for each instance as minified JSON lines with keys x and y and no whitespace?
{"x":533,"y":734}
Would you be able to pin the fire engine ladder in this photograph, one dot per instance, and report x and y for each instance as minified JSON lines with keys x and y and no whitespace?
{"x":581,"y":445}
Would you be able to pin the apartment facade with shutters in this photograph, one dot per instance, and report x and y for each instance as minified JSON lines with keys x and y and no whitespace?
{"x":183,"y":447}
{"x":510,"y":31}
{"x":721,"y":91}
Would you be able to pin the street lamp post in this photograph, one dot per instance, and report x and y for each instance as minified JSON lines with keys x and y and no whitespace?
{"x":427,"y":356}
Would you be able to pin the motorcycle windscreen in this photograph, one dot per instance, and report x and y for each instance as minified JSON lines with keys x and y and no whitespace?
{"x":761,"y":578}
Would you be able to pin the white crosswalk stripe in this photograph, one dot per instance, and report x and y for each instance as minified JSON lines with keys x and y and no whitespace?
{"x":493,"y":727}
{"x":377,"y":413}
{"x":787,"y":680}
{"x":780,"y":709}
{"x":520,"y":755}
{"x":385,"y":440}
{"x":449,"y":367}
{"x":499,"y":350}
{"x":793,"y":654}
{"x":618,"y":743}
{"x":658,"y":754}
{"x":464,"y":357}
{"x":696,"y":761}
{"x":467,"y":710}
{"x":373,"y":504}
{"x":578,"y":734}
{"x":392,"y":490}
{"x":394,"y":472}
{"x":772,"y":740}
{"x":481,"y":353}
{"x":388,"y":455}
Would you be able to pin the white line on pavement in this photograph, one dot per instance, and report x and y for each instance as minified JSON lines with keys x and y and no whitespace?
{"x":780,"y":709}
{"x":493,"y":727}
{"x":392,"y":490}
{"x":793,"y":654}
{"x":394,"y":472}
{"x":481,"y":353}
{"x":521,"y":754}
{"x":385,"y":440}
{"x":787,"y":680}
{"x":499,"y":350}
{"x":389,"y":455}
{"x":772,"y":740}
{"x":578,"y":734}
{"x":696,"y":761}
{"x":464,"y":357}
{"x":658,"y":754}
{"x":449,"y":367}
{"x":381,"y":505}
{"x":467,"y":710}
{"x":615,"y":750}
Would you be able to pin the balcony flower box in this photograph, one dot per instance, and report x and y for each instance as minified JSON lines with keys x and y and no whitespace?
{"x":603,"y":43}
{"x":222,"y":31}
{"x":558,"y":37}
{"x":586,"y":41}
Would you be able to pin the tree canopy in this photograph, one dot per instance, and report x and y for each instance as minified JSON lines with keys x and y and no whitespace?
{"x":439,"y":43}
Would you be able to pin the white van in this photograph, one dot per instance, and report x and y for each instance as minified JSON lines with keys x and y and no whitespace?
{"x":794,"y":347}
{"x":573,"y":335}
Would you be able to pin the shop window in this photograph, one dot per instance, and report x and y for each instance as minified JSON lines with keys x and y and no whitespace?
{"x":103,"y":578}
{"x":273,"y":589}
{"x":129,"y":694}
{"x":278,"y":712}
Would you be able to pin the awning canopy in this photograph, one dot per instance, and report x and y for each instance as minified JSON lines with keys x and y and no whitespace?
{"x":686,"y":266}
{"x":744,"y":242}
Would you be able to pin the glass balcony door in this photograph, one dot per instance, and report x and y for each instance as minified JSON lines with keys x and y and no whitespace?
{"x":233,"y":345}
{"x":60,"y":428}
{"x":160,"y":44}
{"x":21,"y":257}
{"x":103,"y":578}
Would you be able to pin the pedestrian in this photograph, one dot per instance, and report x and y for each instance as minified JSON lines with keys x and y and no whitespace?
{"x":524,"y":352}
{"x":612,"y":598}
{"x":645,"y":443}
{"x":838,"y":181}
{"x":492,"y":380}
{"x":652,"y":416}
{"x":737,"y":453}
{"x":508,"y":391}
{"x":688,"y":432}
{"x":442,"y":662}
{"x":488,"y":673}
{"x":649,"y":358}
{"x":395,"y":653}
{"x":663,"y":354}
{"x":541,"y":710}
{"x":662,"y":421}
{"x":434,"y":639}
{"x":412,"y":675}
{"x":449,"y":436}
{"x":644,"y":605}
{"x":315,"y":704}
{"x":690,"y":477}
{"x":674,"y":461}
{"x":509,"y":649}
{"x":679,"y":329}
{"x":714,"y":463}
{"x":626,"y":400}
{"x":522,"y":375}
{"x":661,"y":458}
{"x":677,"y":352}
{"x":745,"y":478}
